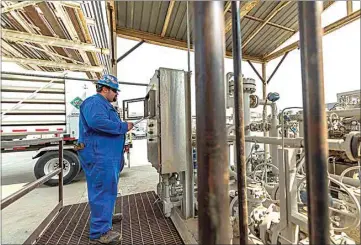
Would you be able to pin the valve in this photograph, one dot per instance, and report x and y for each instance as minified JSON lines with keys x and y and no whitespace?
{"x":273,"y":96}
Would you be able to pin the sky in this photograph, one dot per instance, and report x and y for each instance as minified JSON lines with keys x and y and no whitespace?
{"x":341,"y":56}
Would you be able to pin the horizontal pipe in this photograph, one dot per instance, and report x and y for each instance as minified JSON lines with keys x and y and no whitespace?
{"x":355,"y":112}
{"x":262,"y":102}
{"x":333,"y":144}
{"x":22,"y":192}
{"x":347,"y":180}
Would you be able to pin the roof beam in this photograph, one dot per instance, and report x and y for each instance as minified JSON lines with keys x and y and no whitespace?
{"x":52,"y":54}
{"x":18,"y":6}
{"x":17,"y":36}
{"x":326,"y":30}
{"x":54,"y":64}
{"x":349,"y":7}
{"x":167,"y":18}
{"x":12,"y":51}
{"x":273,"y":13}
{"x":245,"y":9}
{"x":168,"y":42}
{"x":71,"y":4}
{"x":269,"y":23}
{"x":227,"y":7}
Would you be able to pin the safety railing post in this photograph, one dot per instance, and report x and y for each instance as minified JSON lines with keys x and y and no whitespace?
{"x":61,"y":174}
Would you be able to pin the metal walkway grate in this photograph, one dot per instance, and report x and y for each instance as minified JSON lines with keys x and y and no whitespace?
{"x":143,"y":223}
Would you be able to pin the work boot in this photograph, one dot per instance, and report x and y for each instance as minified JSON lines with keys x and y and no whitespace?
{"x":111,"y":237}
{"x":117,"y":218}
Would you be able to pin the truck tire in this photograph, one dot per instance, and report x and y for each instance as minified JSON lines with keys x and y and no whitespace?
{"x":49,"y":162}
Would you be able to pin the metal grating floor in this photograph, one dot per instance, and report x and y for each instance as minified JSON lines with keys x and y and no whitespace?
{"x":143,"y":223}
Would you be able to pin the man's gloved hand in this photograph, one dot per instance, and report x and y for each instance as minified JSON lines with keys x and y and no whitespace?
{"x":130,"y":125}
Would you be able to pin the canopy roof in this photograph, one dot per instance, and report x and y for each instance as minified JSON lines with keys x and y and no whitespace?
{"x":73,"y":35}
{"x":265,"y":25}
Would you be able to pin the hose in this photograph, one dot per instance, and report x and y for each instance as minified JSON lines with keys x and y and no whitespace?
{"x":348,"y":170}
{"x":356,"y":222}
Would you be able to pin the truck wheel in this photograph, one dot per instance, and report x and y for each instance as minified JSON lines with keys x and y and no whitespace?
{"x":50,"y":161}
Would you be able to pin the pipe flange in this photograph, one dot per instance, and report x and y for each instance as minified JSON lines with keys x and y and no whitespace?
{"x":356,"y":147}
{"x":230,"y":130}
{"x":254,"y":100}
{"x":353,"y":145}
{"x":249,"y":85}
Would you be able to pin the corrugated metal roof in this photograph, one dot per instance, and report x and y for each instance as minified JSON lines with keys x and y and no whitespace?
{"x":135,"y":19}
{"x":60,"y":20}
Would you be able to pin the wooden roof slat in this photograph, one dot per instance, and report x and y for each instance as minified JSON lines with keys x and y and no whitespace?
{"x":20,"y":5}
{"x":273,"y":13}
{"x":269,"y":23}
{"x":245,"y":9}
{"x":167,"y":18}
{"x":227,"y":7}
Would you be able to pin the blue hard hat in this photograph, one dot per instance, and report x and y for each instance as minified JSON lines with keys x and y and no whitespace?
{"x":110,"y":81}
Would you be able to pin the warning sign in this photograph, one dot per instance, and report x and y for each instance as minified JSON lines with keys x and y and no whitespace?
{"x":76,"y":102}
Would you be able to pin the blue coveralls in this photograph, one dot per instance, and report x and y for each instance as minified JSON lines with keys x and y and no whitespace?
{"x":103,"y":134}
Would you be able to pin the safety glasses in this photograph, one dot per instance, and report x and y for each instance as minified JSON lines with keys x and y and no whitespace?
{"x":114,"y":90}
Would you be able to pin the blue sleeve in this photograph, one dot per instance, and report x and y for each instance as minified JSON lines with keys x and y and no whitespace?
{"x":97,"y":118}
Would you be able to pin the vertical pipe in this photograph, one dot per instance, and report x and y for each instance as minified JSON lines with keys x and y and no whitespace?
{"x":264,"y":97}
{"x":316,"y":147}
{"x":239,"y":123}
{"x":188,"y":40}
{"x":188,"y":181}
{"x":246,"y":114}
{"x":212,"y":158}
{"x":274,"y":133}
{"x":61,"y":166}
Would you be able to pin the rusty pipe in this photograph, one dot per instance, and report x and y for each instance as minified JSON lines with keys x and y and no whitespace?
{"x":239,"y":124}
{"x":315,"y":126}
{"x":212,"y":156}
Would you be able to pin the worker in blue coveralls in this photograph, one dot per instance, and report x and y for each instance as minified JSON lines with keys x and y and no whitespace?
{"x":101,"y":150}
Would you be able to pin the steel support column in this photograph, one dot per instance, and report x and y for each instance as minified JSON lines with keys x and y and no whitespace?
{"x":130,"y":51}
{"x":316,"y":146}
{"x":188,"y":176}
{"x":213,"y":199}
{"x":239,"y":124}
